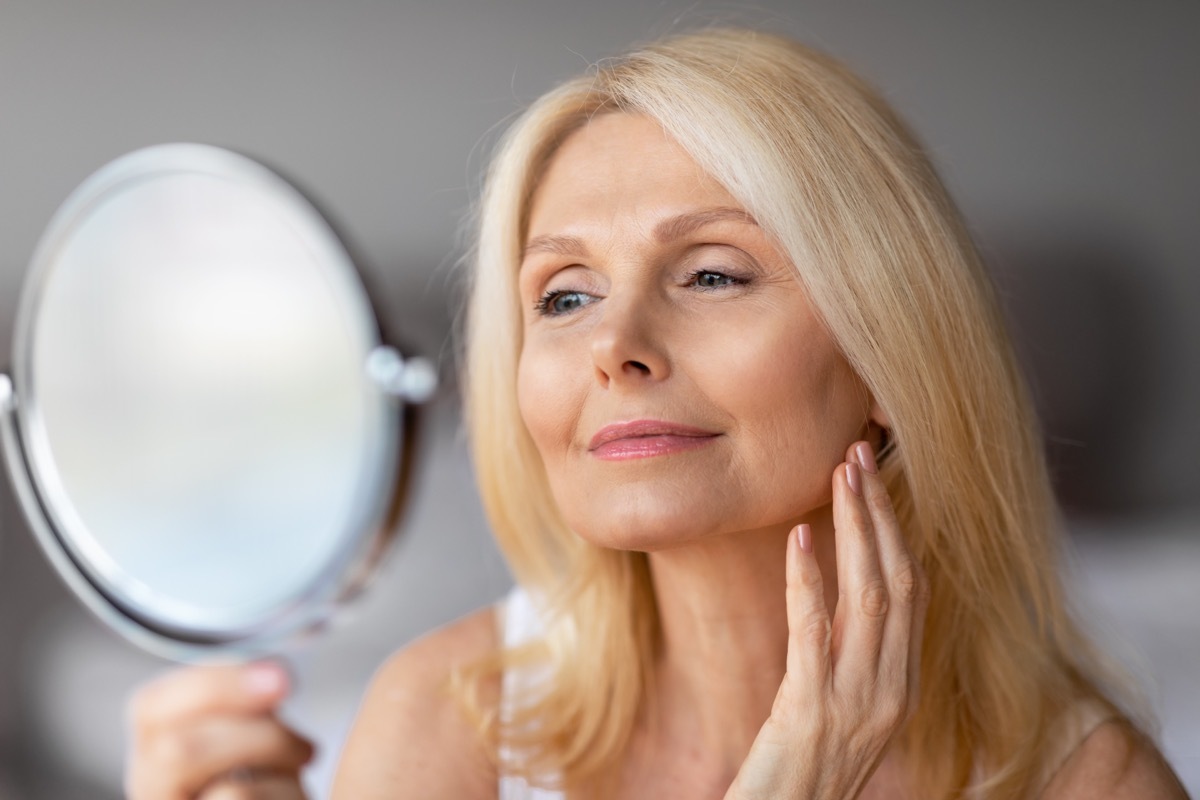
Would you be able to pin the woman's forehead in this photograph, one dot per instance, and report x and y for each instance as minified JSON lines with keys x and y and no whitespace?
{"x":622,"y":166}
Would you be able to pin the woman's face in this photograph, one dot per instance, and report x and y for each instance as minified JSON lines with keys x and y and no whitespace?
{"x":673,"y":375}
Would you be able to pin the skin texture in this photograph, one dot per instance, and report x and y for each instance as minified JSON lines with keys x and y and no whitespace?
{"x":785,"y":669}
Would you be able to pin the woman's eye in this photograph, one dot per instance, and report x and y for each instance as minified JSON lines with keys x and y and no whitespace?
{"x":707,"y":279}
{"x":557,"y":303}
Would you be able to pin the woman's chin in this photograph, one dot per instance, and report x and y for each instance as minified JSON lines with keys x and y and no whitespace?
{"x":646,"y":533}
{"x":650,"y":533}
{"x":640,"y":542}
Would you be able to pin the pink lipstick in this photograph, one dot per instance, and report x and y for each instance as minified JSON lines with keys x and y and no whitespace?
{"x":645,"y":438}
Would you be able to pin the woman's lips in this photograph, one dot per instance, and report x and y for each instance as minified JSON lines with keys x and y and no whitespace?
{"x":646,"y":438}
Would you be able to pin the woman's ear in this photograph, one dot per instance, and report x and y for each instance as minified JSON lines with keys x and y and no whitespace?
{"x":878,"y":416}
{"x":879,"y":426}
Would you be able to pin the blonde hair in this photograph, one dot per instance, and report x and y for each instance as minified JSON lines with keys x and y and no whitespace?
{"x":829,"y":171}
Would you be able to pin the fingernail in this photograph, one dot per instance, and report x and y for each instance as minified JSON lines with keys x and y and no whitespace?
{"x":266,"y":678}
{"x":854,"y":478}
{"x":866,"y":458}
{"x":804,"y":537}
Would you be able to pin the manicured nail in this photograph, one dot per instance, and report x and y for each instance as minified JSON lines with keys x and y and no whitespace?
{"x":266,"y":678}
{"x":804,"y":537}
{"x":866,"y":458}
{"x":854,"y":478}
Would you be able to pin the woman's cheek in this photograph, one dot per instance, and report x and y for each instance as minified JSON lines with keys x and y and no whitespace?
{"x":543,"y":394}
{"x":528,"y":399}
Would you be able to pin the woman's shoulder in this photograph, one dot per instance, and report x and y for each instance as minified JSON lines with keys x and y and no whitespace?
{"x":411,"y":737}
{"x":1114,"y":760}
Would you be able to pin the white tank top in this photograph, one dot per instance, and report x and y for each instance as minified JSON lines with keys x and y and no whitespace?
{"x":520,"y":623}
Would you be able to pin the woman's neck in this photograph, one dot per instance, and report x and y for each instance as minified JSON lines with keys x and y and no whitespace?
{"x":723,"y":622}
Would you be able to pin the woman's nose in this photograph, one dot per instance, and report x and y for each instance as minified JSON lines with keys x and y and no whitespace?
{"x":626,"y":347}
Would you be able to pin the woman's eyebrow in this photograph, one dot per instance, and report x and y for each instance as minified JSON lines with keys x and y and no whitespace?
{"x":558,"y":245}
{"x":681,"y":225}
{"x":667,"y":230}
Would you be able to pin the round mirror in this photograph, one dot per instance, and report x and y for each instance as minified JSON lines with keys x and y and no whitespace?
{"x":204,"y":427}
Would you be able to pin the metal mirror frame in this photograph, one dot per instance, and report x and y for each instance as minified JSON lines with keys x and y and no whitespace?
{"x":404,"y":383}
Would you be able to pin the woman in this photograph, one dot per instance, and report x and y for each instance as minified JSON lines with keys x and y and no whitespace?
{"x":749,"y":431}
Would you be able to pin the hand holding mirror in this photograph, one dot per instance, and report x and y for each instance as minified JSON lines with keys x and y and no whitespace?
{"x":204,"y":427}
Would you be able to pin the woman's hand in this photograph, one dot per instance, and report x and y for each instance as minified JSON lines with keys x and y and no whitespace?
{"x":210,"y":733}
{"x":851,"y":682}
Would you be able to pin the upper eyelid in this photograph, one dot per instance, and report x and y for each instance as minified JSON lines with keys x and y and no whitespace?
{"x":731,"y":259}
{"x":536,"y":281}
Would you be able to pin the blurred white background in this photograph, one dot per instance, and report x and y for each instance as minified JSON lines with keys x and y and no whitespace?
{"x":1067,"y":132}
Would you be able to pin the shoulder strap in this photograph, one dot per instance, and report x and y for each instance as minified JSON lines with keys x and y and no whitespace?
{"x":1068,"y":733}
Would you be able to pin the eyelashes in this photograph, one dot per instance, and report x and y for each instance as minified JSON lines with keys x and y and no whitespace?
{"x":562,"y":302}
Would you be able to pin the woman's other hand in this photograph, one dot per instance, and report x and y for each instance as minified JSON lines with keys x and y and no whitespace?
{"x":852,"y":680}
{"x":211,"y":733}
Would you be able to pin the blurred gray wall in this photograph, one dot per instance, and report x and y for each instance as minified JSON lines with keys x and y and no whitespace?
{"x":1067,"y":131}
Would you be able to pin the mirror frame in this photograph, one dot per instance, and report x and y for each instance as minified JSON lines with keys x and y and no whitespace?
{"x":404,"y":383}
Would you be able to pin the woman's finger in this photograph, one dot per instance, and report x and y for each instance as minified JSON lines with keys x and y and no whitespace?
{"x":862,"y":592}
{"x":908,"y":586}
{"x":193,"y":692}
{"x":902,"y":574}
{"x":186,"y":759}
{"x":808,"y":653}
{"x":893,"y":550}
